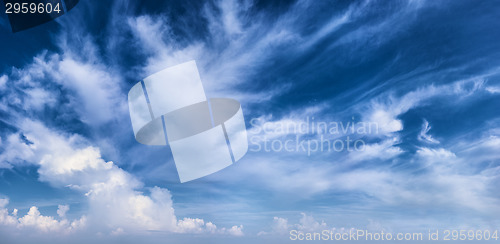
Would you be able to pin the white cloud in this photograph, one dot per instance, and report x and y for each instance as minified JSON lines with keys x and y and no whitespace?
{"x":238,"y":46}
{"x":287,"y":176}
{"x":190,"y":225}
{"x":234,"y":231}
{"x":482,"y":150}
{"x":435,"y":155}
{"x":35,"y":220}
{"x":62,"y":210}
{"x":45,"y":223}
{"x":383,"y":150}
{"x":118,"y":231}
{"x":26,"y":90}
{"x":97,"y":96}
{"x":153,"y":35}
{"x":3,"y":202}
{"x":493,"y":89}
{"x":385,"y":109}
{"x":445,"y":181}
{"x":115,"y":201}
{"x":5,"y":218}
{"x":90,"y":88}
{"x":16,"y":152}
{"x":306,"y":224}
{"x":385,"y":121}
{"x":279,"y":226}
{"x":3,"y":81}
{"x":446,"y":178}
{"x":39,"y":97}
{"x":423,"y":136}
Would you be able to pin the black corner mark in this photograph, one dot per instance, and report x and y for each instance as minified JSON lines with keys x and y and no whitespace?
{"x":25,"y":14}
{"x":70,"y":4}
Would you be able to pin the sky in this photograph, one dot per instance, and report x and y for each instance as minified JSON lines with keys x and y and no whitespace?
{"x":424,"y":75}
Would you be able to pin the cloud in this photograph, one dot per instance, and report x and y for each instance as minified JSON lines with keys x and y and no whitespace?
{"x":306,"y":224}
{"x":235,"y":230}
{"x":5,"y":218}
{"x":493,"y":89}
{"x":115,"y":202}
{"x":383,"y":150}
{"x":89,"y":87}
{"x":280,"y":225}
{"x":482,"y":150}
{"x":237,"y":45}
{"x":3,"y":81}
{"x":48,"y":224}
{"x":446,"y":180}
{"x":62,"y":210}
{"x":35,"y":220}
{"x":435,"y":155}
{"x":152,"y":35}
{"x":192,"y":225}
{"x":66,"y":161}
{"x":387,"y":123}
{"x":189,"y":225}
{"x":95,"y":87}
{"x":26,"y":91}
{"x":385,"y":109}
{"x":423,"y":136}
{"x":3,"y":202}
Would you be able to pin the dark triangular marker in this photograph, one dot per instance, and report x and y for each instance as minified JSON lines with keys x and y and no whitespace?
{"x":70,"y":4}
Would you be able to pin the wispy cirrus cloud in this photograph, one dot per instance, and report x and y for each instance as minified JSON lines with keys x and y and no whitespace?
{"x":423,"y":136}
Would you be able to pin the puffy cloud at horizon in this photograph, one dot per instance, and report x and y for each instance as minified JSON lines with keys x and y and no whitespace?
{"x":114,"y":199}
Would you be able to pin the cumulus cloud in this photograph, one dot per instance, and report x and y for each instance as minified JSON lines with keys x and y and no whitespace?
{"x":62,"y":210}
{"x":5,"y":218}
{"x":306,"y":223}
{"x":190,"y":225}
{"x":115,"y":202}
{"x":235,"y":230}
{"x":35,"y":220}
{"x":46,"y":223}
{"x":280,"y":225}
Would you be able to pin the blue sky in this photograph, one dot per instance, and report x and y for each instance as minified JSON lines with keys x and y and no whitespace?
{"x":426,"y":73}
